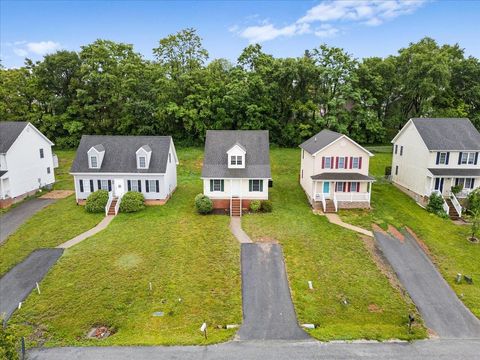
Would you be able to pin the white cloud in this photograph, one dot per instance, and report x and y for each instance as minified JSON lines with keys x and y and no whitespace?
{"x":328,"y":12}
{"x":42,"y":47}
{"x":20,"y":52}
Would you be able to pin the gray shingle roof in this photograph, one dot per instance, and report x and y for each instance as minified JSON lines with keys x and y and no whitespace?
{"x":257,"y":157}
{"x":345,"y":176}
{"x":448,"y":133}
{"x":455,"y":172}
{"x":120,"y":153}
{"x":319,"y":141}
{"x":9,"y":131}
{"x":99,"y":147}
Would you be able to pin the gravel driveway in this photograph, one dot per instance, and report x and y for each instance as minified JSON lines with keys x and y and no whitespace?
{"x":16,"y":284}
{"x":12,"y":219}
{"x":268,"y":311}
{"x":439,"y":306}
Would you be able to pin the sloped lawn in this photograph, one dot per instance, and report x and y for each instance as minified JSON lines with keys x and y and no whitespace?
{"x":337,"y":262}
{"x":192,"y":262}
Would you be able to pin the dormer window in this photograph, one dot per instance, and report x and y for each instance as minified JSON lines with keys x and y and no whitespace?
{"x":236,"y":160}
{"x":142,"y":162}
{"x":143,"y":157}
{"x":236,"y":157}
{"x":93,"y":162}
{"x":95,"y":156}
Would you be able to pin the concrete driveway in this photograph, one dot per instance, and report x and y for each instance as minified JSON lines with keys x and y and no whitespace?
{"x":16,"y":284}
{"x":268,"y":312}
{"x":274,"y":350}
{"x":11,"y":220}
{"x":439,"y":306}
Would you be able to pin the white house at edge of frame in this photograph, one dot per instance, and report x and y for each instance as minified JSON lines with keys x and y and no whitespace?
{"x":434,"y":154}
{"x":26,"y":161}
{"x":334,"y":172}
{"x":147,"y":164}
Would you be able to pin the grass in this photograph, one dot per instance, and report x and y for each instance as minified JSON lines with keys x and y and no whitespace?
{"x":447,"y":242}
{"x":335,"y":259}
{"x":191,"y":260}
{"x":63,"y":180}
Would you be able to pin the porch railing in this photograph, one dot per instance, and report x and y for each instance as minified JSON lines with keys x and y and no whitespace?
{"x":352,"y":196}
{"x":321,"y":197}
{"x":456,"y":204}
{"x":335,"y":202}
{"x":446,"y":208}
{"x":109,"y":202}
{"x":117,"y":205}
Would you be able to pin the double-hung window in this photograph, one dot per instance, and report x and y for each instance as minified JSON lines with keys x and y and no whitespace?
{"x":142,"y":162}
{"x":93,"y":162}
{"x":42,"y":155}
{"x":467,"y":158}
{"x":328,"y":162}
{"x":104,"y":184}
{"x":442,"y":158}
{"x":134,"y":185}
{"x":255,"y":185}
{"x":355,"y":163}
{"x":354,"y":187}
{"x":466,"y":182}
{"x":217,"y":185}
{"x":151,"y":185}
{"x":236,"y":160}
{"x":341,"y":163}
{"x":340,"y":186}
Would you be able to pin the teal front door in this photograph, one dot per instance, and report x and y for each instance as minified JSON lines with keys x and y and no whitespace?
{"x":326,"y":189}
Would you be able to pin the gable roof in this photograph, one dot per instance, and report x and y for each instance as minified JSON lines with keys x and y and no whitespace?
{"x":9,"y":131}
{"x":446,"y":133}
{"x":257,"y":157}
{"x":120,"y":154}
{"x":323,"y":139}
{"x":99,"y":147}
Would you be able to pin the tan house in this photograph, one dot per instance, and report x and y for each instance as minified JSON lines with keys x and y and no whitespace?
{"x":434,"y":154}
{"x":334,"y":172}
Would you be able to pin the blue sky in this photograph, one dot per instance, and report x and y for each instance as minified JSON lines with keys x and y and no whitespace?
{"x":284,"y":28}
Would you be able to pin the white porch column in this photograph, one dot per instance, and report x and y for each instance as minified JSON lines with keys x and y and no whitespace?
{"x":314,"y":190}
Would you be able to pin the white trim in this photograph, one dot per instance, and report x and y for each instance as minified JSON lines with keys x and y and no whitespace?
{"x":112,"y":173}
{"x":34,"y":128}
{"x":343,"y":137}
{"x":242,"y":178}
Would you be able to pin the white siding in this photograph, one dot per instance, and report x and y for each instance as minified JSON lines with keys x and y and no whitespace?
{"x":241,"y":184}
{"x":307,"y":166}
{"x":171,"y":172}
{"x":26,"y":170}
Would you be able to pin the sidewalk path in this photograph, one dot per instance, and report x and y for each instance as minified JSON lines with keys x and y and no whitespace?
{"x":237,"y":231}
{"x":335,"y":219}
{"x":100,"y":226}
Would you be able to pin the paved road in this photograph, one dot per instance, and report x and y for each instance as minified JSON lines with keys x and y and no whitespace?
{"x":275,"y":350}
{"x":11,"y":220}
{"x":439,"y":306}
{"x":268,"y":312}
{"x":19,"y":281}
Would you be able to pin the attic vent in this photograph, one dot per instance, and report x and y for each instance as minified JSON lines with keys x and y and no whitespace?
{"x":315,"y":139}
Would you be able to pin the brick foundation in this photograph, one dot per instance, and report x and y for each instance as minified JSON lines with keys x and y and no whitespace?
{"x":10,"y":201}
{"x":353,"y":205}
{"x":224,"y":204}
{"x":423,"y":200}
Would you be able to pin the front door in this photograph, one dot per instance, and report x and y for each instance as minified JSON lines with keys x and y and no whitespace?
{"x":326,"y":189}
{"x":236,"y":188}
{"x":439,"y":184}
{"x":118,"y":187}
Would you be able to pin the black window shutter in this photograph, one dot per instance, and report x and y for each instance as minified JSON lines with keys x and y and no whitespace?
{"x":91,"y":186}
{"x":139,"y":185}
{"x":157,"y":186}
{"x":448,"y":158}
{"x":81,"y":185}
{"x":109,"y":185}
{"x":222,"y":185}
{"x":99,"y":183}
{"x":211,"y":185}
{"x":456,"y":182}
{"x":438,"y":158}
{"x":261,"y":185}
{"x":250,"y":185}
{"x":472,"y":186}
{"x":459,"y":157}
{"x":476,"y":159}
{"x":147,"y":186}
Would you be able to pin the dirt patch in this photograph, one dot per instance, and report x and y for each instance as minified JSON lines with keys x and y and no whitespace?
{"x":473,"y":240}
{"x":419,"y":242}
{"x":57,"y":194}
{"x":266,"y":239}
{"x":397,"y":234}
{"x":100,"y":332}
{"x":374,"y":308}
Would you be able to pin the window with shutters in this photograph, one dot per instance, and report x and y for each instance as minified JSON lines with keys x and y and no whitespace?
{"x":355,"y":163}
{"x":134,"y":185}
{"x":104,"y":184}
{"x":255,"y":185}
{"x":152,"y":187}
{"x":353,"y":187}
{"x":328,"y":162}
{"x":340,"y":186}
{"x":466,"y":182}
{"x":467,"y":158}
{"x":216,"y":185}
{"x":341,"y":163}
{"x":442,"y":158}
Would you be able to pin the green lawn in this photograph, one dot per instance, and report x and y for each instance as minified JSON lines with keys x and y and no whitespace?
{"x":63,"y":180}
{"x":337,"y":262}
{"x":192,"y":261}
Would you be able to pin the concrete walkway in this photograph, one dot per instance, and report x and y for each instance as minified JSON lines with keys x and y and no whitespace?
{"x":100,"y":226}
{"x":21,"y":212}
{"x":16,"y":284}
{"x":237,"y":231}
{"x":439,"y":306}
{"x":335,"y":219}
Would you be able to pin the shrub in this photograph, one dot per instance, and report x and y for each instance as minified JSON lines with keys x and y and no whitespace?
{"x":388,"y":170}
{"x":255,"y":205}
{"x":97,"y":201}
{"x":8,"y":344}
{"x":435,"y":205}
{"x":203,"y":204}
{"x":132,"y":201}
{"x":457,"y":188}
{"x":473,"y":202}
{"x":266,"y":206}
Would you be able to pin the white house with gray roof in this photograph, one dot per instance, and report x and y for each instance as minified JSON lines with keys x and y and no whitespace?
{"x":236,"y":168}
{"x":147,"y":164}
{"x":26,"y":161}
{"x":334,"y":172}
{"x":434,"y":154}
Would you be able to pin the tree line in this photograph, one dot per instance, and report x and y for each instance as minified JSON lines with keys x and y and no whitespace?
{"x":108,"y":88}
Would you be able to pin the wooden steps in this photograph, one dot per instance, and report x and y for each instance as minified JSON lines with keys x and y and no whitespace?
{"x":452,"y":212}
{"x":111,"y":210}
{"x":329,"y":206}
{"x":236,"y":207}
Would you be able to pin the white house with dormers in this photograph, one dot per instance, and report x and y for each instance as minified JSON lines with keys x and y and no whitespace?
{"x":334,"y":172}
{"x":236,"y":168}
{"x":434,"y":154}
{"x":26,"y":161}
{"x":147,"y":164}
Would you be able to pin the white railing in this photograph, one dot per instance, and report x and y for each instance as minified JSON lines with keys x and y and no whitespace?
{"x":117,"y":205}
{"x":321,"y":197}
{"x":464,"y":193}
{"x":456,"y":204}
{"x":352,"y":196}
{"x":335,"y":201}
{"x":109,"y":202}
{"x":446,"y":208}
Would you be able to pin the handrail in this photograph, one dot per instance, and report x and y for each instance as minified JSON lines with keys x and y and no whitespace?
{"x":117,"y":205}
{"x":456,"y":204}
{"x":324,"y":203}
{"x":109,"y":202}
{"x":335,"y":201}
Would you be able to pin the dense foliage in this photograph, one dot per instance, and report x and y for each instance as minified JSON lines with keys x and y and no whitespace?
{"x":203,"y":204}
{"x":108,"y":88}
{"x":8,"y":345}
{"x":132,"y":201}
{"x":97,"y":201}
{"x":255,"y":206}
{"x":266,"y":206}
{"x":473,"y":202}
{"x":435,"y":205}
